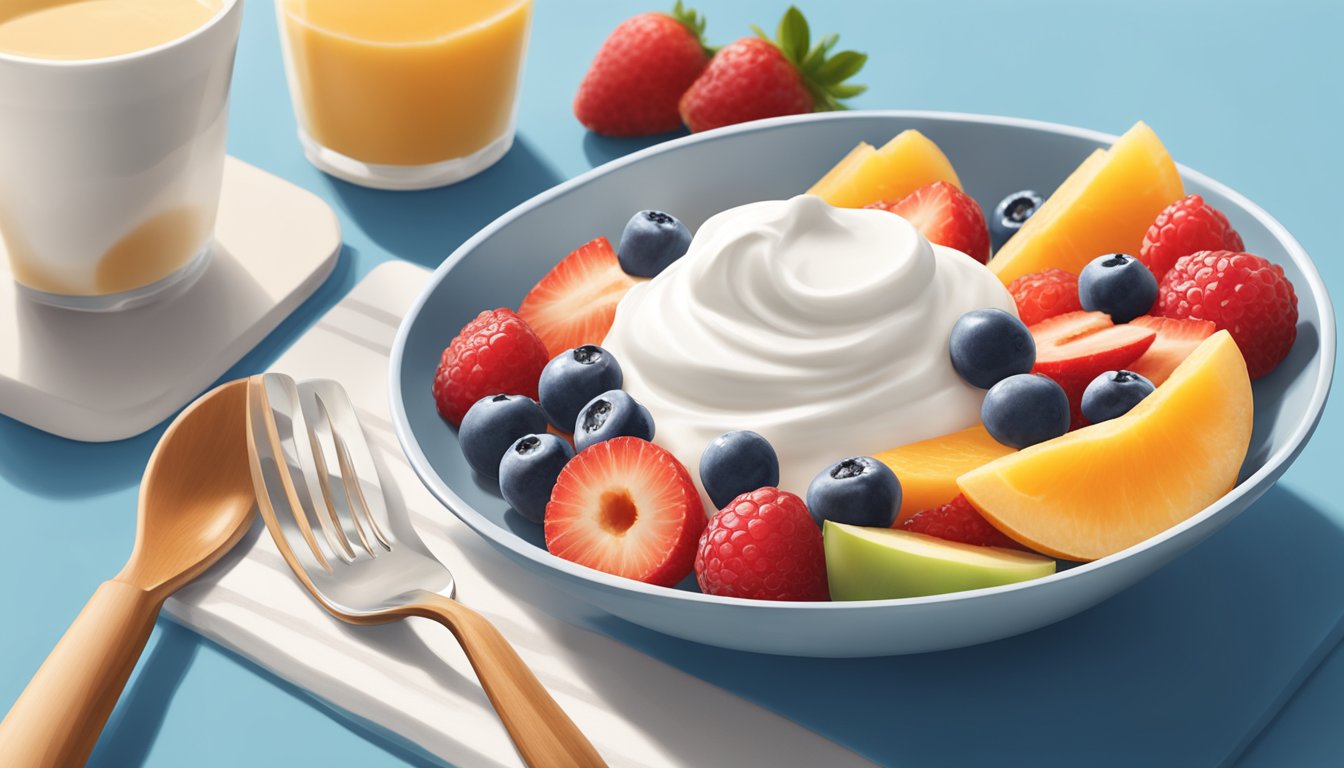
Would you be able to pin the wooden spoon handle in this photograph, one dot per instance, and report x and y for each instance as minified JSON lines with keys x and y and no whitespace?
{"x":543,"y":733}
{"x":60,"y":715}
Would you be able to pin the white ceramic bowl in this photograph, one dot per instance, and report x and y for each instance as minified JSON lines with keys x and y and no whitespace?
{"x":700,"y":175}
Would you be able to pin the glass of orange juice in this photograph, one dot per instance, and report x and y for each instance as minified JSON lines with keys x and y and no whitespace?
{"x":404,"y":94}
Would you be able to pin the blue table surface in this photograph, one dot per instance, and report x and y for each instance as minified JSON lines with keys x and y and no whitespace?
{"x":1247,"y":92}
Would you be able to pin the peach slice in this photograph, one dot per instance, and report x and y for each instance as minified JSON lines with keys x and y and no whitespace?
{"x":866,"y":175}
{"x":1105,"y":206}
{"x":856,"y":157}
{"x":928,"y":470}
{"x":1103,"y":488}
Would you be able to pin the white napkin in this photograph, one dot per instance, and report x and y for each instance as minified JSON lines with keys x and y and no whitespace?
{"x":411,"y":678}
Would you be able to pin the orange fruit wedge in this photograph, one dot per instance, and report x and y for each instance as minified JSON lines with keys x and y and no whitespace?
{"x":1109,"y":486}
{"x":826,"y":185}
{"x":867,"y":175}
{"x":1105,"y":206}
{"x":928,"y":470}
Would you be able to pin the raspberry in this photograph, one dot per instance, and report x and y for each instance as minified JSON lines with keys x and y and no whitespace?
{"x":763,"y":546}
{"x":1184,"y":227}
{"x":1042,"y":295}
{"x":957,"y":520}
{"x":1241,"y":293}
{"x":495,"y":354}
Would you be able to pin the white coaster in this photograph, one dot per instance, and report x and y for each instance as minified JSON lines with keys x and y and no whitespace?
{"x":102,"y":377}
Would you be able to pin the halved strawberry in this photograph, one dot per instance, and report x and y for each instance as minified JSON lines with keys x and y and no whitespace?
{"x":1176,"y":339}
{"x":575,"y":302}
{"x":626,"y":507}
{"x":944,"y":215}
{"x":1076,"y":347}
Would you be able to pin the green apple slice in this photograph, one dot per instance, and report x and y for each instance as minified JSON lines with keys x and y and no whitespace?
{"x":883,"y":563}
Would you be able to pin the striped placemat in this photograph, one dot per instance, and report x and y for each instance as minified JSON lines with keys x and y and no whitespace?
{"x":410,"y":679}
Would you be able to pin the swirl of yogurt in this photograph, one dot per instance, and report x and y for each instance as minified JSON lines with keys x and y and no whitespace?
{"x":824,"y":329}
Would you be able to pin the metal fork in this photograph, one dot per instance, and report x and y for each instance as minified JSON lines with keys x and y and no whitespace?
{"x":318,"y":490}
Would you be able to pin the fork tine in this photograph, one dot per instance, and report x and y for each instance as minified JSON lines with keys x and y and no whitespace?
{"x":313,"y":468}
{"x":290,"y":425}
{"x":353,"y":449}
{"x":325,"y":449}
{"x":272,"y":481}
{"x":374,"y":593}
{"x":354,"y":485}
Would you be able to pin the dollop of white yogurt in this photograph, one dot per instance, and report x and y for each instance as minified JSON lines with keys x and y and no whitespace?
{"x":824,"y":329}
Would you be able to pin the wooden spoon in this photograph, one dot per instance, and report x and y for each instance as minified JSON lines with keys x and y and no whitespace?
{"x":196,"y":501}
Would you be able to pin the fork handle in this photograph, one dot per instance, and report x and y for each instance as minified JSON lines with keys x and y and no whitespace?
{"x":543,"y":733}
{"x":60,"y":715}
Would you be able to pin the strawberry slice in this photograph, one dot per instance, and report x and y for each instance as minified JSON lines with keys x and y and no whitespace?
{"x":1060,"y":329}
{"x":1176,"y":339}
{"x":626,"y":507}
{"x":944,"y":215}
{"x":575,"y":302}
{"x":1077,"y":343}
{"x":1076,"y":347}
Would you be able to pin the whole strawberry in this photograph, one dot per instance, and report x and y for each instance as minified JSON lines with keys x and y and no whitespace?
{"x":640,"y":72}
{"x":756,"y":77}
{"x":763,"y":546}
{"x":1184,"y":227}
{"x":1241,"y":293}
{"x":495,"y":354}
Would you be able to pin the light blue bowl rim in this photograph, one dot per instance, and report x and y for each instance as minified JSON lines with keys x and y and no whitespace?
{"x":1274,"y":465}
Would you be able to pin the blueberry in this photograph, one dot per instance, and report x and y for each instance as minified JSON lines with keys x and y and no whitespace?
{"x":528,"y":472}
{"x":1119,"y":285}
{"x":573,"y":378}
{"x":1113,"y":394}
{"x":1025,"y":409}
{"x":492,"y":424}
{"x":989,"y":345}
{"x":736,"y":463}
{"x":859,"y":491}
{"x":1011,"y":213}
{"x":652,"y":240}
{"x":611,"y":414}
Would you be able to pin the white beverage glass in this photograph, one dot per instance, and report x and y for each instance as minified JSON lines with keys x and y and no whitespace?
{"x":111,"y":164}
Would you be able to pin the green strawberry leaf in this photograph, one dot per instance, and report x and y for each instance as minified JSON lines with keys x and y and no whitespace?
{"x":817,"y":55}
{"x":793,"y":36}
{"x":840,"y":67}
{"x":824,"y":74}
{"x":695,"y":23}
{"x":848,"y":91}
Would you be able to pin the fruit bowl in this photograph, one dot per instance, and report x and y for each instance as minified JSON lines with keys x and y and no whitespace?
{"x":700,"y":175}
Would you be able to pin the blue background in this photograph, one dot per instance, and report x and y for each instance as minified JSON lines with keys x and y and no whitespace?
{"x":1247,"y":92}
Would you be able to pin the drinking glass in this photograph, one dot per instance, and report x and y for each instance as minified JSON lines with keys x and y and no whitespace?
{"x":110,"y":168}
{"x":404,"y":94}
